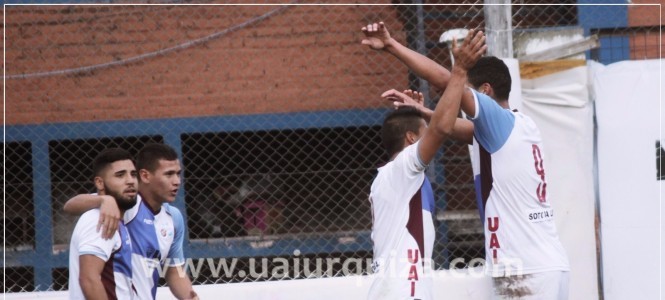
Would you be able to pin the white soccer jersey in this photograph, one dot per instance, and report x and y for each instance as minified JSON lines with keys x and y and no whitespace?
{"x":157,"y":241}
{"x":402,"y":229}
{"x":116,"y":252}
{"x":520,"y":234}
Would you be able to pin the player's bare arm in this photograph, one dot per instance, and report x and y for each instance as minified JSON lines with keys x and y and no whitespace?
{"x":468,"y":104}
{"x":445,"y":114}
{"x":180,"y":284}
{"x":377,"y":37}
{"x":90,"y":277}
{"x":462,"y":130}
{"x":109,"y":213}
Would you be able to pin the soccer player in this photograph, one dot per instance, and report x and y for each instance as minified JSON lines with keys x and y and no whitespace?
{"x":523,"y":252}
{"x":401,"y":196}
{"x":101,"y":268}
{"x":156,"y":228}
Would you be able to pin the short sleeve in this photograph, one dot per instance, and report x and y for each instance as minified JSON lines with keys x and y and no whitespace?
{"x":399,"y":179}
{"x":406,"y":166}
{"x":91,"y":241}
{"x":492,"y":123}
{"x":176,"y":255}
{"x":409,"y":160}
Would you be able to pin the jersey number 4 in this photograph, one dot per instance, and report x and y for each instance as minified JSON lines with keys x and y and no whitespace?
{"x":541,"y":191}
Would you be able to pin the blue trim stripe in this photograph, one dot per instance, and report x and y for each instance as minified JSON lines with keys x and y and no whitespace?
{"x":427,"y":196}
{"x":87,"y":130}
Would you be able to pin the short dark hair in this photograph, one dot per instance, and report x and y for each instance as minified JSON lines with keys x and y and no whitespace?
{"x":107,"y":157}
{"x":494,"y":71}
{"x":149,"y":156}
{"x":396,"y":125}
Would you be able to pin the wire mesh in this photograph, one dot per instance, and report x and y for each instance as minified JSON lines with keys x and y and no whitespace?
{"x":274,"y":109}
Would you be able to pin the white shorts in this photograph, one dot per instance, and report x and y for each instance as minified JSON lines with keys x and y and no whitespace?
{"x":538,"y":286}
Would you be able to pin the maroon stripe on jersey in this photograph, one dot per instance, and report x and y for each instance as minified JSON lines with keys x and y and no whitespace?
{"x":486,"y":179}
{"x":108,"y":279}
{"x":415,"y":223}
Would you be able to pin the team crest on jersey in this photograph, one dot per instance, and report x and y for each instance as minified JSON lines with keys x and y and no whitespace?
{"x":163,"y":231}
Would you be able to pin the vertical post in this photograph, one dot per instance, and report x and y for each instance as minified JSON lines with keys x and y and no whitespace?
{"x":498,"y":28}
{"x":41,"y":175}
{"x":415,"y":38}
{"x":421,"y":47}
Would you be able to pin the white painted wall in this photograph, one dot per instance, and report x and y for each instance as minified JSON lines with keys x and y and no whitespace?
{"x":559,"y":104}
{"x":629,"y":105}
{"x":448,"y":285}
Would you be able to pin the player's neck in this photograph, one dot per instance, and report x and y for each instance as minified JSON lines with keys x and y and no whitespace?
{"x":395,"y":155}
{"x":151,"y":201}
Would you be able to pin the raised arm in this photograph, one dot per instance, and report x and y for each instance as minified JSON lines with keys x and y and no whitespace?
{"x":109,"y":213}
{"x":442,"y":124}
{"x":463,"y":128}
{"x":377,"y":37}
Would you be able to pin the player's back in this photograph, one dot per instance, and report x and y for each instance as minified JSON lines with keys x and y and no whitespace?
{"x":402,"y":229}
{"x":509,"y":172}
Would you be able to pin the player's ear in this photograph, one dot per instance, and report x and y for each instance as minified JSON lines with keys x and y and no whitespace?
{"x":99,"y":183}
{"x":411,"y":137}
{"x":144,"y":175}
{"x":485,"y":88}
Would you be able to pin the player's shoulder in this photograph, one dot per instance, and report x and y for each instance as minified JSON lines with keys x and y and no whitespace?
{"x":170,"y":209}
{"x":87,"y":222}
{"x":522,"y":116}
{"x":394,"y":174}
{"x":175,"y":217}
{"x":525,"y":121}
{"x":86,"y":226}
{"x":174,"y":212}
{"x":92,"y":214}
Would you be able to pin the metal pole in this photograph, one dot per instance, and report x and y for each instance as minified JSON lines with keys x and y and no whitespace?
{"x":421,"y":47}
{"x":498,"y":28}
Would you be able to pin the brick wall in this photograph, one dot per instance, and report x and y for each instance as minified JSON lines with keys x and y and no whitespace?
{"x":644,"y":15}
{"x":306,"y":58}
{"x":645,"y":45}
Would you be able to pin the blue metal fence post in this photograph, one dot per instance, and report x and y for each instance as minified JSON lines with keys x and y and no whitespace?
{"x":440,"y":198}
{"x":43,"y":215}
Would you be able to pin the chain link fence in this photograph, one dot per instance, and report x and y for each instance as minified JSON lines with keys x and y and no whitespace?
{"x":274,"y":110}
